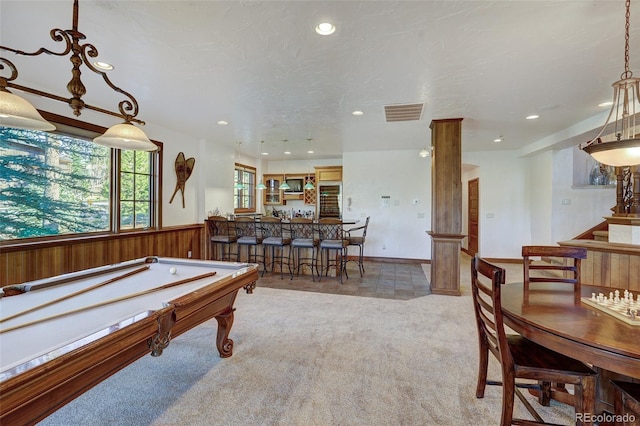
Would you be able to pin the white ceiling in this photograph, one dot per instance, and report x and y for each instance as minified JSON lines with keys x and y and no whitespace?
{"x":260,"y":66}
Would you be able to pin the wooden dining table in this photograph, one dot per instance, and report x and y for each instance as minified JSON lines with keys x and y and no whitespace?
{"x":553,"y":315}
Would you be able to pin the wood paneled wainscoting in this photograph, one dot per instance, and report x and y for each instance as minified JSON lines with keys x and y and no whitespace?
{"x":31,"y":260}
{"x":609,"y":264}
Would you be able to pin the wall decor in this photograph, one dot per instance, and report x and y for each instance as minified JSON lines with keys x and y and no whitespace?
{"x":184,"y":168}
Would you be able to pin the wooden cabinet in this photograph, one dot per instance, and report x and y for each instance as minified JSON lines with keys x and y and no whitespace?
{"x":310,"y":194}
{"x":329,"y":173}
{"x":272,"y":195}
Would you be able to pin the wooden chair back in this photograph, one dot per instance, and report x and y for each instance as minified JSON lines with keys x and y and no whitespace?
{"x":486,"y":280}
{"x":562,"y":266}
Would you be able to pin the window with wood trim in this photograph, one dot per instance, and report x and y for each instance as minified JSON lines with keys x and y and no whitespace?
{"x":54,"y":184}
{"x":244,"y":189}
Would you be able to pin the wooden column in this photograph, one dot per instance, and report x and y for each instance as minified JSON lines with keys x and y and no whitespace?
{"x":446,"y":205}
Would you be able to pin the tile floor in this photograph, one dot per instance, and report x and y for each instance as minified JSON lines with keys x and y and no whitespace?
{"x":385,"y":280}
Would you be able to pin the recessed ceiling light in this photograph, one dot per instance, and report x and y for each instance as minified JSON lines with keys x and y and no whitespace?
{"x":103,"y":66}
{"x":325,"y":28}
{"x":357,"y":112}
{"x":605,"y":104}
{"x":498,"y":140}
{"x":222,"y":123}
{"x":287,"y":153}
{"x":265,"y":153}
{"x":532,"y":117}
{"x":309,"y":152}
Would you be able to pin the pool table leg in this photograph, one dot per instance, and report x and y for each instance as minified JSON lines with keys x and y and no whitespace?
{"x":224,"y":344}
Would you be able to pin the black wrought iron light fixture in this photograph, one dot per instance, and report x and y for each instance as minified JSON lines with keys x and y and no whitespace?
{"x":16,"y":112}
{"x":624,"y":150}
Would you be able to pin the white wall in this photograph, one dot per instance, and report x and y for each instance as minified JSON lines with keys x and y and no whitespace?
{"x":575,"y":208}
{"x":399,"y":229}
{"x":503,"y":205}
{"x":530,"y":200}
{"x":538,"y":187}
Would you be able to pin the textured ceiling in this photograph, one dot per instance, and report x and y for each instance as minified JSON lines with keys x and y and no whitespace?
{"x":261,"y":67}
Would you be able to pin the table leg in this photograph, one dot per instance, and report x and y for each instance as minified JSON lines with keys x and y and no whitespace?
{"x":224,"y":344}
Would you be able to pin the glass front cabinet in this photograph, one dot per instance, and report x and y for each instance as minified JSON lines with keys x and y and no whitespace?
{"x":272,"y":195}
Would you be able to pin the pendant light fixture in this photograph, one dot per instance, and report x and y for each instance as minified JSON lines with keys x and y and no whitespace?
{"x":16,"y":112}
{"x":261,"y":186}
{"x":309,"y":185}
{"x":624,"y":150}
{"x":284,"y":185}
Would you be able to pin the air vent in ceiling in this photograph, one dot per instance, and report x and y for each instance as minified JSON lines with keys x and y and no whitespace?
{"x":403,"y":112}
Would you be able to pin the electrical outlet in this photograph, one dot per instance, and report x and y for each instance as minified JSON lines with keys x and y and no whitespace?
{"x":189,"y":254}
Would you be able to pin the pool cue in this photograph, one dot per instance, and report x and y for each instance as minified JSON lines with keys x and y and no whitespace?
{"x":19,"y":288}
{"x":69,"y":296}
{"x":108,"y":302}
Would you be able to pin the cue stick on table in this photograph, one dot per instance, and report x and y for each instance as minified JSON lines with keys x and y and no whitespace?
{"x":69,"y":296}
{"x":108,"y":302}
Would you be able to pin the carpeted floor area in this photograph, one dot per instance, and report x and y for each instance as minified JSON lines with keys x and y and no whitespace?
{"x":311,"y":358}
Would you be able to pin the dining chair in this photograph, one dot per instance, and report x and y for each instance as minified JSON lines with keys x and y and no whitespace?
{"x":559,"y":264}
{"x":332,"y":240}
{"x":304,"y":236}
{"x":626,"y":402}
{"x":277,"y":235}
{"x":519,"y":357}
{"x":222,"y":233}
{"x":248,"y":235}
{"x":358,"y":241}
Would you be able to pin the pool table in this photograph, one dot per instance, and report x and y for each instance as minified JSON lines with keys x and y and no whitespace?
{"x":61,"y":336}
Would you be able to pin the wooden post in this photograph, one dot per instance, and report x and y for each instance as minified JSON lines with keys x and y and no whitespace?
{"x":446,"y":206}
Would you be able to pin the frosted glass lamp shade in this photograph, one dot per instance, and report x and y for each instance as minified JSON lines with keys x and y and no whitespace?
{"x":17,"y":113}
{"x":617,"y":153}
{"x":126,"y":136}
{"x":284,"y":186}
{"x":261,"y":186}
{"x":309,"y":186}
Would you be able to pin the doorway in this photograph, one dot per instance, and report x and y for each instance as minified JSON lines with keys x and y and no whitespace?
{"x":472,"y":228}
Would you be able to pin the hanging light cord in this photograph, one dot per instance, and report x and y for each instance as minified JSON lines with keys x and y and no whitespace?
{"x":627,"y":73}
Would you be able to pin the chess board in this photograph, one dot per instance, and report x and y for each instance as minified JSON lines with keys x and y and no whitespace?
{"x":615,"y":309}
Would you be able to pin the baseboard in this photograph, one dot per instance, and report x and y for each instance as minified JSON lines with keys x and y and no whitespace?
{"x":391,"y":260}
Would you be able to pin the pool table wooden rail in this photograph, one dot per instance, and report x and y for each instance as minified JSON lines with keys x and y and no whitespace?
{"x":35,"y":389}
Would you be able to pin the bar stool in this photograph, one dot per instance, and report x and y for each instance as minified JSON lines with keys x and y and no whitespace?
{"x":358,"y":241}
{"x":626,"y":402}
{"x":332,"y":238}
{"x":277,"y":234}
{"x":303,"y":236}
{"x":222,"y":234}
{"x":248,"y":235}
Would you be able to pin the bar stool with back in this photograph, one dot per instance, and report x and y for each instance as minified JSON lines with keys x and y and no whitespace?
{"x":248,"y":235}
{"x":277,"y":235}
{"x":332,"y":239}
{"x":358,"y":241}
{"x":303,"y":236}
{"x":519,"y":357}
{"x":222,"y":233}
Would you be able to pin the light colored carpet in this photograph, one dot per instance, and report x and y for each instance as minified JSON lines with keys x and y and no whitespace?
{"x":303,"y":358}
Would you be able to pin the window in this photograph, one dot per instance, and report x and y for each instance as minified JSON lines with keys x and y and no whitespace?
{"x":244,"y":198}
{"x":62,"y":183}
{"x":136,"y":189}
